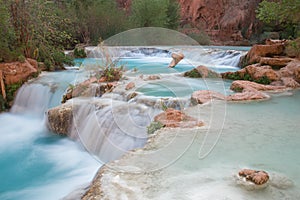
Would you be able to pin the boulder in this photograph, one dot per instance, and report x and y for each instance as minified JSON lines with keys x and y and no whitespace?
{"x":290,"y":82}
{"x":277,"y":62}
{"x":254,"y":176}
{"x":248,"y":91}
{"x":202,"y":72}
{"x":204,"y":96}
{"x":130,"y":86}
{"x":19,"y":72}
{"x":258,"y":51}
{"x":175,"y":118}
{"x":60,"y":119}
{"x":177,"y":57}
{"x":248,"y":95}
{"x":255,"y":72}
{"x":240,"y":86}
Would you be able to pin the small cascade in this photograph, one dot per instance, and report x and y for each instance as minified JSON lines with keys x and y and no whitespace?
{"x":228,"y":58}
{"x":33,"y":99}
{"x":109,"y":128}
{"x":37,"y":96}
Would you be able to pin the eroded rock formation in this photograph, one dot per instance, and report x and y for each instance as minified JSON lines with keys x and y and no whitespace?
{"x":223,"y":20}
{"x":18,"y":72}
{"x":175,"y":118}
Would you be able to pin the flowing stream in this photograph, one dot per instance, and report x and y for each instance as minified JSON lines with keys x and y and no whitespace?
{"x":37,"y":164}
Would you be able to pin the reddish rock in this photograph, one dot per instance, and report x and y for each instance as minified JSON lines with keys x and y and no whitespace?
{"x":251,"y":91}
{"x":177,"y":57}
{"x":258,"y":51}
{"x":204,"y":96}
{"x":239,"y":86}
{"x":247,"y":95}
{"x":129,"y":86}
{"x":275,"y":62}
{"x":294,"y":68}
{"x":202,"y":72}
{"x":254,"y":72}
{"x":17,"y":72}
{"x":175,"y":118}
{"x":272,"y":42}
{"x":256,"y":177}
{"x":222,"y":20}
{"x":290,"y":82}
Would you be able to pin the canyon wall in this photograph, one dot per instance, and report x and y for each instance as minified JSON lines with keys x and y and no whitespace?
{"x":225,"y":21}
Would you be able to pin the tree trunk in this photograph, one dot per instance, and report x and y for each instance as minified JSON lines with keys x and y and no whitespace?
{"x":2,"y":86}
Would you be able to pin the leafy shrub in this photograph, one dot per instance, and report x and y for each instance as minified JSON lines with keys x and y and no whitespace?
{"x":263,"y":80}
{"x":111,"y":74}
{"x":154,"y":126}
{"x":79,"y":53}
{"x":193,"y":74}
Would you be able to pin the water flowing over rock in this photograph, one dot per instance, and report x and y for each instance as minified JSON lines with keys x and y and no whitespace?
{"x":175,"y":118}
{"x":60,"y":119}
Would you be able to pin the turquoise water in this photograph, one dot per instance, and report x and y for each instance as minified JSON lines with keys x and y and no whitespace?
{"x":34,"y":161}
{"x":257,"y":135}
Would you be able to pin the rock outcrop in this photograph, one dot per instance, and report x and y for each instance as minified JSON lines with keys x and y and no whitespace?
{"x":177,"y":57}
{"x":204,"y":96}
{"x":60,"y":119}
{"x":202,"y":72}
{"x":19,"y":72}
{"x":89,"y":88}
{"x":253,"y":179}
{"x":223,"y":20}
{"x":175,"y":118}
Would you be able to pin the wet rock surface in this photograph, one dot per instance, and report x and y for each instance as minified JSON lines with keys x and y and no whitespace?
{"x":175,"y":118}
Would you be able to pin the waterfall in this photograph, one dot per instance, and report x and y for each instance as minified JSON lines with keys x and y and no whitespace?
{"x":33,"y":99}
{"x":109,"y":128}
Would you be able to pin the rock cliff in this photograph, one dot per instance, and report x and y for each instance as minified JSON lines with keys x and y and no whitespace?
{"x":226,"y":21}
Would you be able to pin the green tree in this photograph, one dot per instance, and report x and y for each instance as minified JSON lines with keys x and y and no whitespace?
{"x":281,"y":15}
{"x":156,"y":13}
{"x":6,"y":34}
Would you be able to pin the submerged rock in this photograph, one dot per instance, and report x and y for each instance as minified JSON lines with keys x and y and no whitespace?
{"x":202,"y":72}
{"x":175,"y":118}
{"x":253,"y":179}
{"x":204,"y":96}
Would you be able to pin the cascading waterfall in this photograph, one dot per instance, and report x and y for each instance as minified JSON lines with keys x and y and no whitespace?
{"x":110,"y":128}
{"x":33,"y":160}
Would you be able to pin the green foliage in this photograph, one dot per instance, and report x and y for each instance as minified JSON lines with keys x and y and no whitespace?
{"x":11,"y":91}
{"x":111,"y":74}
{"x":154,"y":126}
{"x":194,"y":73}
{"x":6,"y":35}
{"x":263,"y":80}
{"x":202,"y":38}
{"x":97,"y":19}
{"x":293,"y":48}
{"x":79,"y":53}
{"x":155,"y":13}
{"x":233,"y":76}
{"x":281,"y":15}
